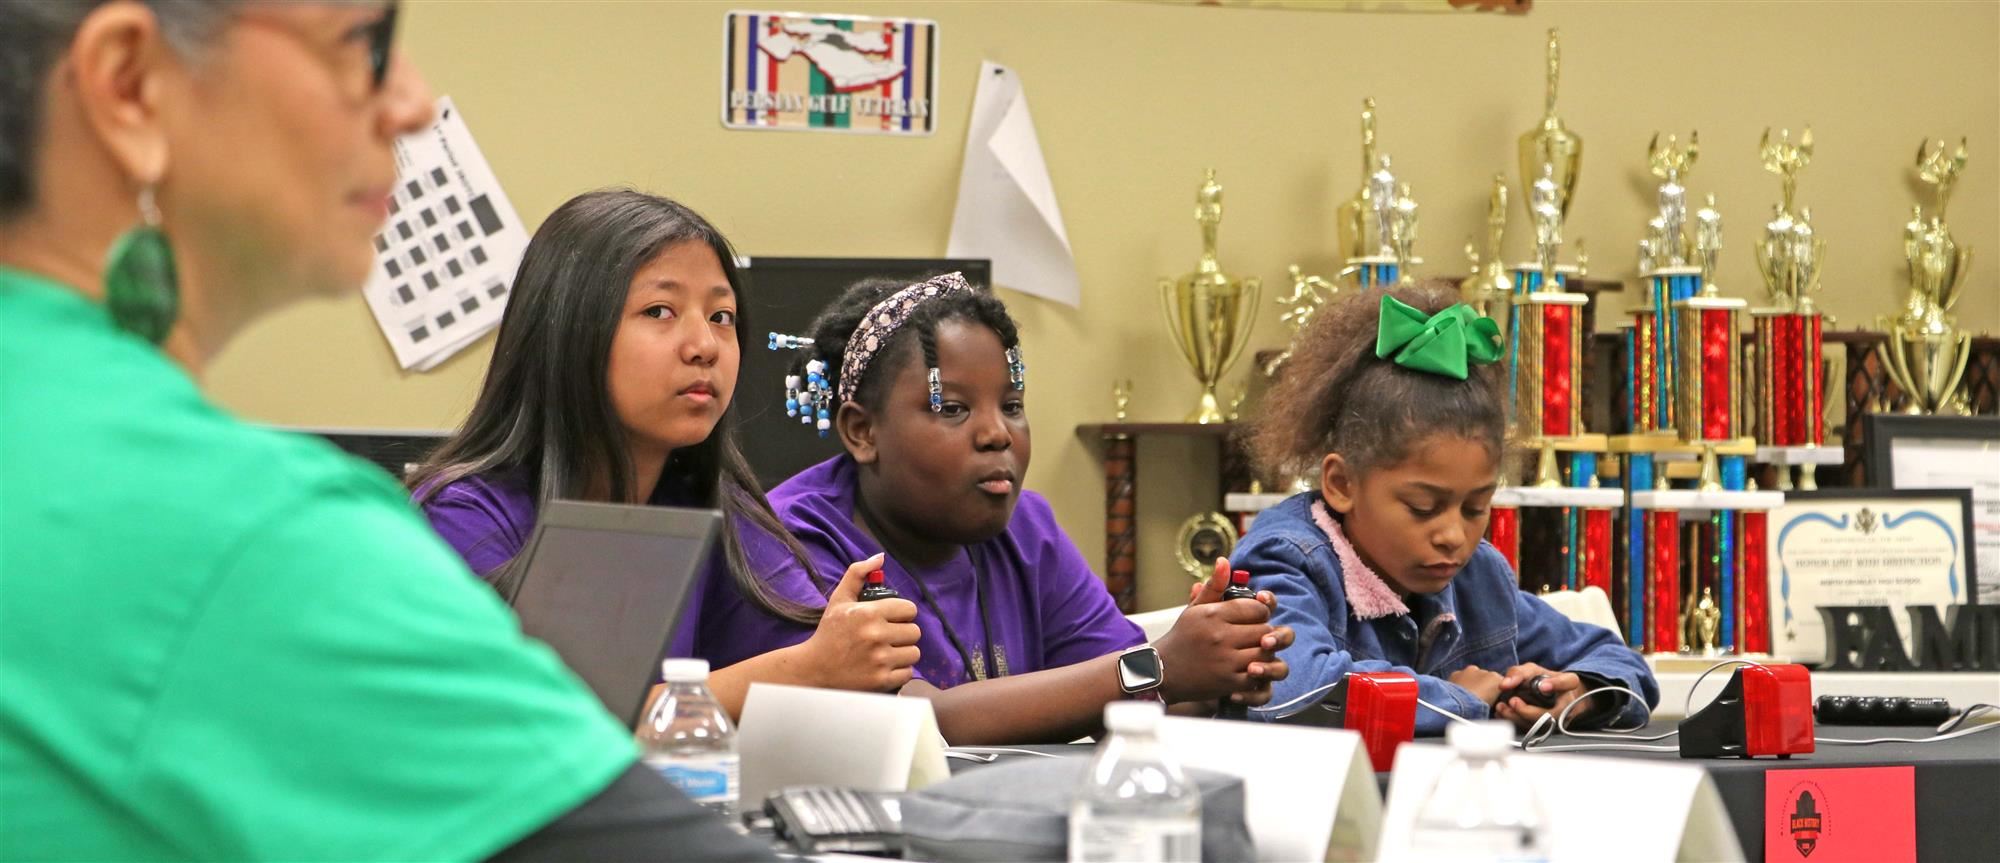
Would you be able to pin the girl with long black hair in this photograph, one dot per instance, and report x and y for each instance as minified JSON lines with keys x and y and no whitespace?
{"x":611,"y":380}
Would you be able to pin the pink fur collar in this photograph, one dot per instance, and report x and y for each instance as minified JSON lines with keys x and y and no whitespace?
{"x":1367,"y":593}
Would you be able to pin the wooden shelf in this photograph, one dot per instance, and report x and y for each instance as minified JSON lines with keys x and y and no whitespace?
{"x":1091,"y":431}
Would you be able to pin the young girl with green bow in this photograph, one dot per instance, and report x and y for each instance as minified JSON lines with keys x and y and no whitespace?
{"x":1391,"y":404}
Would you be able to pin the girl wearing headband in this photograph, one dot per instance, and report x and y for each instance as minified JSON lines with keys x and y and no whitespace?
{"x":1393,"y":405}
{"x":925,"y":385}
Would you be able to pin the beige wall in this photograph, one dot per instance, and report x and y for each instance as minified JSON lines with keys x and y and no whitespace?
{"x":1131,"y":101}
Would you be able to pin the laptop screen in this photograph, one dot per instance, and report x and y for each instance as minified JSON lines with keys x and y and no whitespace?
{"x":605,"y":586}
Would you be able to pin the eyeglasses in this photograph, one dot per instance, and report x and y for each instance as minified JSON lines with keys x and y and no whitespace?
{"x":381,"y":38}
{"x":380,"y":35}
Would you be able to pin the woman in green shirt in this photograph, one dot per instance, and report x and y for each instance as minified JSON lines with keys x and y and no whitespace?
{"x":218,"y":641}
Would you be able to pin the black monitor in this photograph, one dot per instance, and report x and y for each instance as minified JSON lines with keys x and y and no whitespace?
{"x":397,"y":451}
{"x":785,"y":295}
{"x":605,"y":586}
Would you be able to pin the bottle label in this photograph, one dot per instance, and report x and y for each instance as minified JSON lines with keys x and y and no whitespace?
{"x":704,"y":779}
{"x":1135,"y":840}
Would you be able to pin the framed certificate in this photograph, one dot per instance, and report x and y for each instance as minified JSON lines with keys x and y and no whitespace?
{"x":1893,"y":547}
{"x":1907,"y":451}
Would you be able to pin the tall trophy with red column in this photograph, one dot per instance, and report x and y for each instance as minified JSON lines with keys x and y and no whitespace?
{"x":1790,"y":384}
{"x":1545,"y":343}
{"x":1694,"y":579}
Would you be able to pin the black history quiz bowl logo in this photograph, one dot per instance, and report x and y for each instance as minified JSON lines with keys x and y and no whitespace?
{"x":1805,"y":818}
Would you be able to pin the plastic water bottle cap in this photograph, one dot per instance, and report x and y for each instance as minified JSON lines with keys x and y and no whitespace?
{"x":1130,"y":716}
{"x":684,"y":670}
{"x":1489,"y":738}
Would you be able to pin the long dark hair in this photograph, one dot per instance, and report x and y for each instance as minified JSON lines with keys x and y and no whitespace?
{"x":545,"y":410}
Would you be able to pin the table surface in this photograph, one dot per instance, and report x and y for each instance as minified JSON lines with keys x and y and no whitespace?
{"x":1957,"y":780}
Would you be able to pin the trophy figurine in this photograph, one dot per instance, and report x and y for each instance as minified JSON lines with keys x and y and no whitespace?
{"x":1489,"y":281}
{"x":1927,"y":352}
{"x":1403,"y":233}
{"x":1358,"y":239}
{"x":1308,"y":294}
{"x":1671,"y":163}
{"x":1551,"y":144}
{"x":1209,"y":313}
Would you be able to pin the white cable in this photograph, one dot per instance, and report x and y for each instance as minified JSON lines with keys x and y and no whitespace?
{"x":1549,"y":724}
{"x":1443,"y":712}
{"x":1836,"y":741}
{"x":1310,"y":693}
{"x":1687,"y":707}
{"x":1627,"y":747}
{"x":998,"y":750}
{"x":1964,"y":715}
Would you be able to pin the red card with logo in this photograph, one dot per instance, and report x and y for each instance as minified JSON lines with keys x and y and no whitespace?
{"x":1831,"y":815}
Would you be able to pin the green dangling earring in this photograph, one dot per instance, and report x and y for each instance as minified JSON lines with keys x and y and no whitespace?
{"x":142,"y":288}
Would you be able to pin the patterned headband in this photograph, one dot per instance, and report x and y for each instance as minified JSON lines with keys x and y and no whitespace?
{"x":881,"y":323}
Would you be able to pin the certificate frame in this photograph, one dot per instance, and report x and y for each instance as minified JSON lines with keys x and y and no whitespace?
{"x":1939,"y":446}
{"x":1802,"y":527}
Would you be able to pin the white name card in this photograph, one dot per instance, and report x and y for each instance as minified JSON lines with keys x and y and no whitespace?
{"x":794,"y":735}
{"x":1308,"y":793}
{"x":1597,"y":808}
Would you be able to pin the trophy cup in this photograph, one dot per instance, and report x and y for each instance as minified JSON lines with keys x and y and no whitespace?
{"x":1668,"y":277}
{"x":1788,"y":344}
{"x":1209,"y":313}
{"x":1489,"y":280}
{"x":1927,"y":352}
{"x":1551,"y":145}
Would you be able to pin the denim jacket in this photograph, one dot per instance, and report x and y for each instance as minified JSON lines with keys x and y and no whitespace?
{"x":1481,"y":618}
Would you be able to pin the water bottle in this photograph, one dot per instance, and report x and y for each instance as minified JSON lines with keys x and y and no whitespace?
{"x":689,"y":739}
{"x":1135,"y":806}
{"x":1481,"y":808}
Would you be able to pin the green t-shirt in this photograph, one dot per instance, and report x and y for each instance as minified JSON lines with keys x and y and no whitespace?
{"x":228,"y":643}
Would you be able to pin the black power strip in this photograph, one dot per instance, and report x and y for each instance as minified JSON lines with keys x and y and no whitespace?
{"x":1873,"y":710}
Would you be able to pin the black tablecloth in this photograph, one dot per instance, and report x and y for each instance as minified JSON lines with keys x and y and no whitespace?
{"x":1957,"y":783}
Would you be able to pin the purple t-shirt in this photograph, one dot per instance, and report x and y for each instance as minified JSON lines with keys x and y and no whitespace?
{"x":488,"y":520}
{"x":1045,"y":606}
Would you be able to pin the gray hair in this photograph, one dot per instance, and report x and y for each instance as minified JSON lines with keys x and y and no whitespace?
{"x":33,"y":35}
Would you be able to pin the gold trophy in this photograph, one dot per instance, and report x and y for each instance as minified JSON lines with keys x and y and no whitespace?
{"x":1309,"y":293}
{"x":1551,"y":145}
{"x":1352,"y":221}
{"x":1489,"y":281}
{"x":1926,"y":351}
{"x":1789,"y":253}
{"x":1209,"y":313}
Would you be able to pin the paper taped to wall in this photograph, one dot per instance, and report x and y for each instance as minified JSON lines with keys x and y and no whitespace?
{"x":1006,"y":204}
{"x":445,"y":260}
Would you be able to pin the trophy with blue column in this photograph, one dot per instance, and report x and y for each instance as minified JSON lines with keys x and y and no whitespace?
{"x":1689,"y":562}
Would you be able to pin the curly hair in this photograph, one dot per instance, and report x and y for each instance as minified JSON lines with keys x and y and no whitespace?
{"x":1334,"y":395}
{"x":834,"y":326}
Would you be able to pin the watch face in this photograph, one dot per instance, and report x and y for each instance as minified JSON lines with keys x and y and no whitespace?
{"x":1139,"y":670}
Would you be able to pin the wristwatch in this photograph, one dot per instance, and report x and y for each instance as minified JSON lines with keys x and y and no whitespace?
{"x":1140,"y":672}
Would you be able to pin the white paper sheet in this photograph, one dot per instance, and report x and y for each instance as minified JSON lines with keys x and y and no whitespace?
{"x":794,"y":735}
{"x":1006,"y":204}
{"x":1953,"y":463}
{"x":445,"y":261}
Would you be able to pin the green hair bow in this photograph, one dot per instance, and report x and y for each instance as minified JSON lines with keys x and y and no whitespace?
{"x":1441,"y":344}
